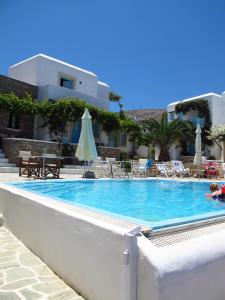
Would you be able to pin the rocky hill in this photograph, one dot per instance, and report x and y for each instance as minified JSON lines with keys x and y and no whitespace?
{"x":142,"y":114}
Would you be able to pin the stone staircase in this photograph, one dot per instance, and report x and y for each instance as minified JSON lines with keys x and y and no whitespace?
{"x":5,"y":166}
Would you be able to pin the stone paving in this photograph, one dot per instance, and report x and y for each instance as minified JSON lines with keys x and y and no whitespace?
{"x":5,"y":177}
{"x":24,"y":276}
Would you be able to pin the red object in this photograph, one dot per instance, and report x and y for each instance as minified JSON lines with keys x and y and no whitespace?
{"x":210,"y":169}
{"x":223,"y":189}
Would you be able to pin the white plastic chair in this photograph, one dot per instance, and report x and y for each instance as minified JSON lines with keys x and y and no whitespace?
{"x":163,"y":170}
{"x":179,"y":168}
{"x":100,"y":167}
{"x":139,"y":168}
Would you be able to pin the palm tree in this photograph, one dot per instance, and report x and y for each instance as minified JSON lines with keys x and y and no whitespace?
{"x":163,"y":133}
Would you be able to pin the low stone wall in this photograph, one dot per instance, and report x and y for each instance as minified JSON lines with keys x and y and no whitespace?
{"x":103,"y":151}
{"x":12,"y":146}
{"x":108,"y":152}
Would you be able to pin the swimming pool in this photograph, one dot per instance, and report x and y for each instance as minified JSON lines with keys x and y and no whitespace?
{"x":155,"y":203}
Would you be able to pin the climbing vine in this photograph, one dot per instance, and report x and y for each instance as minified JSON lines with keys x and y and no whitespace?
{"x":55,"y":113}
{"x":202,"y":108}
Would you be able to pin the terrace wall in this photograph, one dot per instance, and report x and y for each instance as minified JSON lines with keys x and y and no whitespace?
{"x":102,"y":151}
{"x":12,"y":146}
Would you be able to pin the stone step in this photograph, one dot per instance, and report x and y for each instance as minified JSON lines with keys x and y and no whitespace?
{"x":6,"y":164}
{"x":72,"y":167}
{"x":3,"y":160}
{"x":2,"y":155}
{"x":71,"y":171}
{"x":9,"y":170}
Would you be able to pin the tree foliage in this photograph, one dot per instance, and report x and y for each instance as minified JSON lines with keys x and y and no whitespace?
{"x":163,"y":133}
{"x":217,"y":134}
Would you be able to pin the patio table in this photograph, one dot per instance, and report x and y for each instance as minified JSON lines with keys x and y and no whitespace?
{"x":43,"y":161}
{"x":119,"y":165}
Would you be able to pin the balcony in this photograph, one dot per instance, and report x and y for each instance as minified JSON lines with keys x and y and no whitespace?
{"x":58,"y":92}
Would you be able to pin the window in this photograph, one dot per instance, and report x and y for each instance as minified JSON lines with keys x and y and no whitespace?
{"x":67,"y":83}
{"x":180,"y":115}
{"x":112,"y":140}
{"x":123,"y":139}
{"x":171,"y":115}
{"x":14,"y":121}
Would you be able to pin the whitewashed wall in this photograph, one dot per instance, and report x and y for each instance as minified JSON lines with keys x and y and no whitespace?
{"x":88,"y":253}
{"x":193,"y":269}
{"x":42,"y":70}
{"x":26,"y":72}
{"x":58,"y":92}
{"x":85,"y":251}
{"x":217,"y":111}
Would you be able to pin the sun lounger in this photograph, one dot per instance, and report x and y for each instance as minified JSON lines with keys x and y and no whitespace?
{"x":164,"y":170}
{"x":179,"y":168}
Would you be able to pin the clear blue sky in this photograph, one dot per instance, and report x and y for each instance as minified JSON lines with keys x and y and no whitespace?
{"x":150,"y":52}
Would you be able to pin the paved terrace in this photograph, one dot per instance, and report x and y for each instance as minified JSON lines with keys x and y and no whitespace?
{"x":24,"y":276}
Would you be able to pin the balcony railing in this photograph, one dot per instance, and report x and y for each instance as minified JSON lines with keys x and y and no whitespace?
{"x":196,"y":121}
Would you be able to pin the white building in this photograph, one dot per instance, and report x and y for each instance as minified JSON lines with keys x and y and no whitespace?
{"x":217,"y":112}
{"x":56,"y":79}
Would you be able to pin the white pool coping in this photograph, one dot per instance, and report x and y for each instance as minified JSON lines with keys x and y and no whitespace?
{"x":100,"y":243}
{"x":170,"y":225}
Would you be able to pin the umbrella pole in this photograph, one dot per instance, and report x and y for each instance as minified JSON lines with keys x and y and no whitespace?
{"x":85,"y":164}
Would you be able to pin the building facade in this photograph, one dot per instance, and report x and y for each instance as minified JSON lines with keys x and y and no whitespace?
{"x":12,"y":125}
{"x":55,"y":80}
{"x":122,"y":140}
{"x":216,"y":104}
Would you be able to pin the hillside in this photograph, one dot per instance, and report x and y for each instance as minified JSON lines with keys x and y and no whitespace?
{"x":142,"y":114}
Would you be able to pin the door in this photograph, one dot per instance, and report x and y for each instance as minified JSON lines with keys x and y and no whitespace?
{"x":76,"y":132}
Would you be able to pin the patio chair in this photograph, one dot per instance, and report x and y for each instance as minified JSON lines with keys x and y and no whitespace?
{"x":27,"y":165}
{"x":179,"y":168}
{"x":139,"y":168}
{"x":164,"y":170}
{"x":100,"y":167}
{"x":52,"y":165}
{"x":121,"y":169}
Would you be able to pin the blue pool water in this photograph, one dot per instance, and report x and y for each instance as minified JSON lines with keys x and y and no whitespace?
{"x":150,"y":202}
